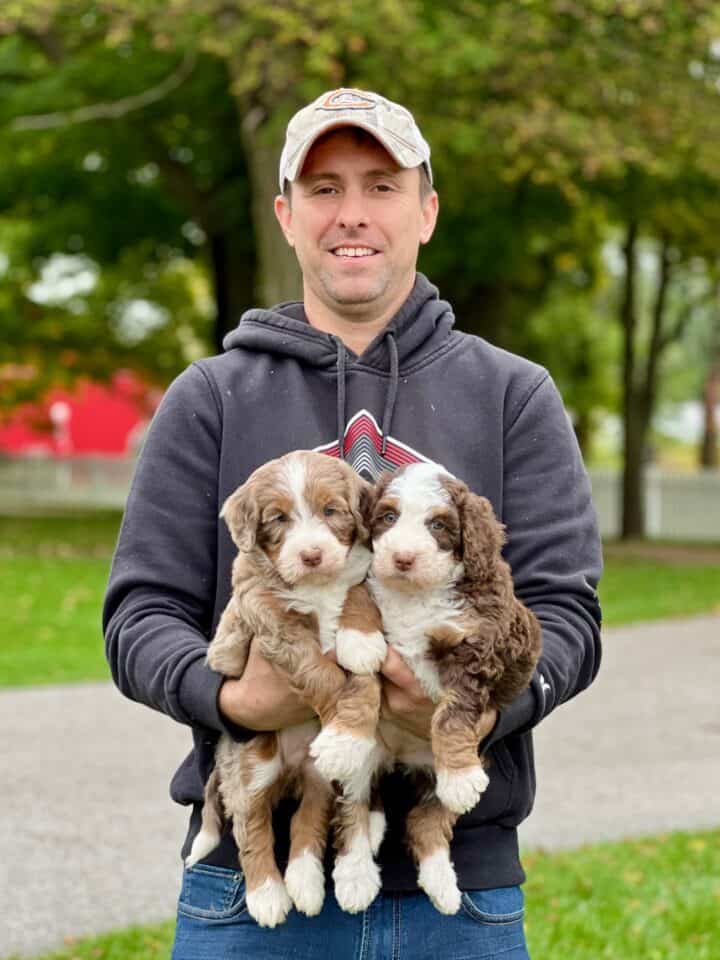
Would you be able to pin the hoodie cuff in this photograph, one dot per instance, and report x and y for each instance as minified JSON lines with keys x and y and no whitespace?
{"x":519,"y":716}
{"x":238,"y":733}
{"x":198,"y":696}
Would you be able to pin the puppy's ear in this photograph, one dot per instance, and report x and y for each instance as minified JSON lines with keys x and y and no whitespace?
{"x":240,"y":512}
{"x":483,"y":535}
{"x":360,"y":500}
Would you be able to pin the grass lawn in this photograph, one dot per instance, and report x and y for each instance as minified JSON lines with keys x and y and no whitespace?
{"x":53,"y":572}
{"x":650,"y":899}
{"x":650,"y":585}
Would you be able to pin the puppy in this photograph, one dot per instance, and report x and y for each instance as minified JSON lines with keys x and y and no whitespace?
{"x":448,"y":607}
{"x":297,"y":589}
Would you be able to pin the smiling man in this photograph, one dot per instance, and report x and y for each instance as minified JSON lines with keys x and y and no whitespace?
{"x":367,"y":367}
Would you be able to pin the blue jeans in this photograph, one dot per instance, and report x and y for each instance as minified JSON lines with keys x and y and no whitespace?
{"x":213,"y":924}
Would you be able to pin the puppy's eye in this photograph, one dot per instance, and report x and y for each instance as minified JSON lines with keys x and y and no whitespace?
{"x":329,"y":511}
{"x":279,"y":518}
{"x":437,"y":525}
{"x":389,"y":518}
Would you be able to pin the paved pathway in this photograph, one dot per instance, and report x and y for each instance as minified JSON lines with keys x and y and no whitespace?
{"x":89,"y":838}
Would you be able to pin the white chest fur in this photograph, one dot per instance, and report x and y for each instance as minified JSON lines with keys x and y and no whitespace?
{"x":326,"y":600}
{"x":408,"y":619}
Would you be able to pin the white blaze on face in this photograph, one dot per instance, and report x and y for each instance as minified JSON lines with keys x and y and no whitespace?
{"x":306,"y":532}
{"x":418,"y":492}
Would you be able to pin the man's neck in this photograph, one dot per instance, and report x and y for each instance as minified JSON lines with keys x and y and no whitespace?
{"x":357,"y":331}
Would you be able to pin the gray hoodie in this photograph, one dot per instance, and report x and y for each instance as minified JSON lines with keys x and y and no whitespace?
{"x":421,"y":390}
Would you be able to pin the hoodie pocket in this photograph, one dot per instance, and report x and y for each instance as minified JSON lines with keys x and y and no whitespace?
{"x":212,"y":893}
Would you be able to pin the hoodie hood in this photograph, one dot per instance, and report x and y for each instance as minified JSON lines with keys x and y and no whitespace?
{"x":418,"y":328}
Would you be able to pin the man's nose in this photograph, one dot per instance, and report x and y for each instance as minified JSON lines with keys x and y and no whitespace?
{"x":352,"y":212}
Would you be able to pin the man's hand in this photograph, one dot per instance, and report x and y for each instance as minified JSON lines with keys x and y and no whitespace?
{"x":262,"y":699}
{"x":406,"y":703}
{"x":403,"y":699}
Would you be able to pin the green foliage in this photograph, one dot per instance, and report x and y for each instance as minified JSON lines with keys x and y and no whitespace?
{"x":551,"y":124}
{"x":141,"y":197}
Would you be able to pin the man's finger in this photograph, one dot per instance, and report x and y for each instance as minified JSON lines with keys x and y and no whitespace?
{"x":397,"y":671}
{"x":398,"y":674}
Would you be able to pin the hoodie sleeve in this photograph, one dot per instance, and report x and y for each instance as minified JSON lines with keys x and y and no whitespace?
{"x":554,"y":552}
{"x":159,"y":603}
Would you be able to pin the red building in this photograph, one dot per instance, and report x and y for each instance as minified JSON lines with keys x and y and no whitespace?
{"x":101,"y":419}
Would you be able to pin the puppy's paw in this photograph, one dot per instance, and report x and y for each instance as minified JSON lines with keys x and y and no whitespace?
{"x":203,"y":844}
{"x":357,"y":881}
{"x":360,"y":652}
{"x":460,"y":790}
{"x":226,"y":659}
{"x":339,"y":755}
{"x":269,"y":903}
{"x":437,"y":878}
{"x":305,"y":882}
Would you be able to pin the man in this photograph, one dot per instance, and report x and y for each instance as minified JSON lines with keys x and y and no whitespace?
{"x":366,"y":367}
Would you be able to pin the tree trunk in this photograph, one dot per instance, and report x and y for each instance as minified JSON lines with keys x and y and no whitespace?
{"x":279,"y":275}
{"x":583,"y":427}
{"x":233,"y":273}
{"x":633,"y":519}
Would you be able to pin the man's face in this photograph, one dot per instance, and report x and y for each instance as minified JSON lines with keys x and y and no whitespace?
{"x":356,"y":220}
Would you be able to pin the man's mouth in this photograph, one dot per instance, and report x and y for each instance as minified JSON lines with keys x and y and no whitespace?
{"x":353,"y":251}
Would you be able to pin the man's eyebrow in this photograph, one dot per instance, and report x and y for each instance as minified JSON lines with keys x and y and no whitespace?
{"x":313,"y":177}
{"x":335,"y":177}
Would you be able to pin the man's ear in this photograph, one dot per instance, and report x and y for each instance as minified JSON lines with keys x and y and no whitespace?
{"x":430,"y":209}
{"x":283,"y":212}
{"x":241,"y":514}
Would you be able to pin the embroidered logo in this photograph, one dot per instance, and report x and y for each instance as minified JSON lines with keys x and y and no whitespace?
{"x":362,"y":448}
{"x":347,"y":100}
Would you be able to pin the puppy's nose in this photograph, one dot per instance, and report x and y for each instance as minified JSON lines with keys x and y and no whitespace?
{"x":311,"y":557}
{"x":403,"y":561}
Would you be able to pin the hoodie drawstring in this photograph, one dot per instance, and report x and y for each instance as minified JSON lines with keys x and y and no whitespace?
{"x":341,"y":357}
{"x":392,"y":389}
{"x":389,"y":400}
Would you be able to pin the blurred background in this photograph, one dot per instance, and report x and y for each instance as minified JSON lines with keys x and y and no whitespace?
{"x":576,"y":152}
{"x":576,"y":148}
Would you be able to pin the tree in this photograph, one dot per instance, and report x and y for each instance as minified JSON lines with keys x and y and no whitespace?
{"x":140,"y":195}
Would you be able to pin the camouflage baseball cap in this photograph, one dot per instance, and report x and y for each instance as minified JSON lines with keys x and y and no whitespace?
{"x":388,"y":122}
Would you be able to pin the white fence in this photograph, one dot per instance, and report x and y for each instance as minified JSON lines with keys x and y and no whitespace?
{"x":678,"y":506}
{"x":36,"y":484}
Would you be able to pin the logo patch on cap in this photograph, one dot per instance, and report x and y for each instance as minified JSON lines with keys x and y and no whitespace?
{"x":347,"y":100}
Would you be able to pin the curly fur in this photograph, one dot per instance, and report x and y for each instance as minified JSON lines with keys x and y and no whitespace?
{"x":447,"y":600}
{"x":299,"y":526}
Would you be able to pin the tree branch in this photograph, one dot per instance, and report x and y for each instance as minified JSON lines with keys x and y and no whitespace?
{"x":108,"y":111}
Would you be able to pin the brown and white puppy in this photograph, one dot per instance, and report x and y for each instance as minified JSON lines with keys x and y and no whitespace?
{"x":297,"y":589}
{"x":448,"y":607}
